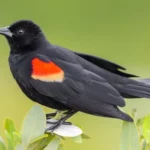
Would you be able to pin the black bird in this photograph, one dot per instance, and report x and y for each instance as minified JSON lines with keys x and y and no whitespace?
{"x":65,"y":80}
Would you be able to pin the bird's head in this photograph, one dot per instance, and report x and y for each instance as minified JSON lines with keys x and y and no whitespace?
{"x":22,"y":33}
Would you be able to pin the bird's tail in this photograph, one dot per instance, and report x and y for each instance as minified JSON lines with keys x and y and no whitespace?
{"x":135,"y":88}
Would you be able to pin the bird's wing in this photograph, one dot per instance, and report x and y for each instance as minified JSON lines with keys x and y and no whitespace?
{"x":68,"y":83}
{"x":105,"y":64}
{"x":57,"y":79}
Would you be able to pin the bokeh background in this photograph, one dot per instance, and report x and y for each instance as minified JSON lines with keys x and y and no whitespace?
{"x":113,"y":29}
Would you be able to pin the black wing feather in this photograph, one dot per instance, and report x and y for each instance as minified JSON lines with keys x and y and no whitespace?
{"x":105,"y":64}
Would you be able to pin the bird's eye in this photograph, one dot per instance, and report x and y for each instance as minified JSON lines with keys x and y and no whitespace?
{"x":20,"y":31}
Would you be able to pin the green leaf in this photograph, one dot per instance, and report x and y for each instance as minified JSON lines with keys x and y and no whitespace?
{"x":53,"y":145}
{"x":17,"y":138}
{"x":143,"y":144}
{"x":34,"y":125}
{"x":129,"y":137}
{"x":9,"y":127}
{"x":39,"y":138}
{"x":65,"y":130}
{"x":9,"y":140}
{"x":2,"y":144}
{"x":11,"y":133}
{"x":146,"y":128}
{"x":84,"y":136}
{"x":41,"y":143}
{"x":77,"y":139}
{"x":20,"y":147}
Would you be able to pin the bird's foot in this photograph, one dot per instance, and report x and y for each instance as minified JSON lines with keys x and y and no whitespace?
{"x":57,"y":124}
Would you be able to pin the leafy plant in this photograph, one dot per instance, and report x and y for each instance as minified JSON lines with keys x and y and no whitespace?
{"x":136,"y":136}
{"x":32,"y":135}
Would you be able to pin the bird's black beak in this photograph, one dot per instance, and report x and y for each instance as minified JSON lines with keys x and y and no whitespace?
{"x":5,"y":31}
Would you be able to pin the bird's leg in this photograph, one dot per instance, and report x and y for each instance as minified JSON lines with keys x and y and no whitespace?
{"x":62,"y":120}
{"x":51,"y":115}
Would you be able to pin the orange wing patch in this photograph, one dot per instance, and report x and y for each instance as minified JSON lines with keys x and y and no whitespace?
{"x":46,"y":71}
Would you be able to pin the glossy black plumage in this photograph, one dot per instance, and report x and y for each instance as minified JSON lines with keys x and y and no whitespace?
{"x":91,"y":84}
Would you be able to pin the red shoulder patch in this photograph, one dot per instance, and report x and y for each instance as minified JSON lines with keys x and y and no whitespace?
{"x":46,"y":71}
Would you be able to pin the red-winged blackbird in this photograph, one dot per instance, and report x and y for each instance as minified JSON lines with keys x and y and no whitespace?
{"x":65,"y":80}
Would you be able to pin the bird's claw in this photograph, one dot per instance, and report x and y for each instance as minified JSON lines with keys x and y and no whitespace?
{"x":50,"y":115}
{"x":57,"y":122}
{"x":56,"y":125}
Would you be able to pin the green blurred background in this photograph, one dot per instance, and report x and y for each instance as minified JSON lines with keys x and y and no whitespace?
{"x":113,"y":29}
